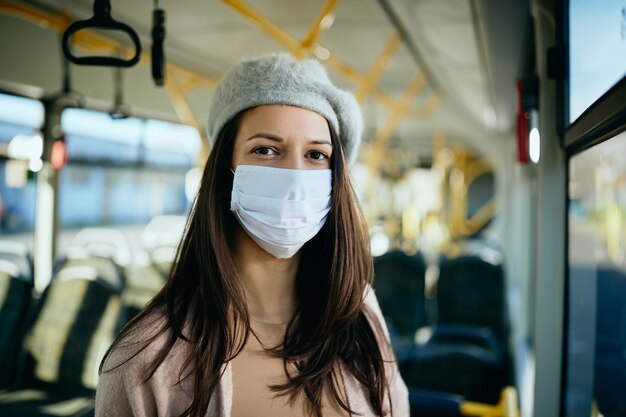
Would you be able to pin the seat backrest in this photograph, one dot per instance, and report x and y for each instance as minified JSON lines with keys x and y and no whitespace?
{"x":611,"y":305}
{"x":79,"y":316}
{"x":470,"y":290}
{"x":81,"y":262}
{"x":434,"y":404}
{"x":105,"y":242}
{"x":17,"y":254}
{"x":16,"y":284}
{"x":466,"y":369}
{"x":143,"y":284}
{"x":399,"y":285}
{"x":610,"y":345}
{"x":15,"y":297}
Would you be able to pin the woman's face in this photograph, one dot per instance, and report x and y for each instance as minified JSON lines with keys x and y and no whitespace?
{"x":282,"y":137}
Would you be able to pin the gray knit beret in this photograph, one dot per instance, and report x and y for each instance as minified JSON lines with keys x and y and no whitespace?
{"x":280,"y":79}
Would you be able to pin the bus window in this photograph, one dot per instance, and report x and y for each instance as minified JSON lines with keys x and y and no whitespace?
{"x":20,"y":157}
{"x":596,"y":317}
{"x":596,"y":60}
{"x":121,"y":174}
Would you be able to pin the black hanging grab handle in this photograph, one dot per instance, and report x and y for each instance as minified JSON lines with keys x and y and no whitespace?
{"x":158,"y":55}
{"x":101,"y":20}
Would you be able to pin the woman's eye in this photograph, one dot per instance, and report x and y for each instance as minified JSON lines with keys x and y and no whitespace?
{"x":320,"y":156}
{"x":264,"y":150}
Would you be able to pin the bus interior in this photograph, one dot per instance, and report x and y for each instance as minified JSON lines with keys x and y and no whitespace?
{"x":491,"y":174}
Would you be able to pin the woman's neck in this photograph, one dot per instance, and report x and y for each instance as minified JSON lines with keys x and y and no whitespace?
{"x":269,"y":283}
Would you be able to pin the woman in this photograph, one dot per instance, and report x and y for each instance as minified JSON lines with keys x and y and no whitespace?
{"x":268,"y":309}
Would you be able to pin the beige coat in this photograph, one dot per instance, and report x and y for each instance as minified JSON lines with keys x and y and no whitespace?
{"x":121,"y":392}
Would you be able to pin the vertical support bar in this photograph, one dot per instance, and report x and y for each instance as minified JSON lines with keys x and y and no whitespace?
{"x":45,"y":242}
{"x":551,"y":242}
{"x":46,"y":218}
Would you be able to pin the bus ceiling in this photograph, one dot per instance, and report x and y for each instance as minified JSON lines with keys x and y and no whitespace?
{"x":417,"y":68}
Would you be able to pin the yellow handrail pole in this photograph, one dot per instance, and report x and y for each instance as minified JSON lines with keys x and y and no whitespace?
{"x":439,"y":165}
{"x":427,"y":109}
{"x":380,"y":65}
{"x":506,"y":407}
{"x":476,"y":169}
{"x":481,"y":217}
{"x":413,"y":89}
{"x":37,"y":16}
{"x":384,"y":134}
{"x":422,"y":112}
{"x":509,"y":402}
{"x":346,"y":70}
{"x":385,"y":99}
{"x":265,"y":24}
{"x":473,"y":409}
{"x":185,"y":114}
{"x":320,"y":24}
{"x":471,"y":225}
{"x":293,"y":46}
{"x":296,"y":48}
{"x":193,"y":80}
{"x":458,"y":193}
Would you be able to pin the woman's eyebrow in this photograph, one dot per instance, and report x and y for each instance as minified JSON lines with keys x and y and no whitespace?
{"x":320,"y":142}
{"x":277,"y":138}
{"x":266,"y":136}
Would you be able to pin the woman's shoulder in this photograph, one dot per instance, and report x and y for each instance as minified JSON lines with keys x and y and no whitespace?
{"x":138,"y":374}
{"x":373,"y":311}
{"x":139,"y":343}
{"x":398,"y":392}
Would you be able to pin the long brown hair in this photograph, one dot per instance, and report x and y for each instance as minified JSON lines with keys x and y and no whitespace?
{"x":203,"y":293}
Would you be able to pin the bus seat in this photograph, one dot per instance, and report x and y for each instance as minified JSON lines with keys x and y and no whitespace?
{"x":16,"y":284}
{"x":77,"y":319}
{"x":470,"y":290}
{"x":463,"y":333}
{"x":18,"y":254}
{"x":399,"y":286}
{"x":160,"y":240}
{"x":163,"y":231}
{"x":466,"y":362}
{"x":105,"y":268}
{"x":105,"y":242}
{"x":610,"y":349}
{"x":15,"y":296}
{"x":143,"y":284}
{"x":441,"y":404}
{"x":162,"y":257}
{"x":434,"y":404}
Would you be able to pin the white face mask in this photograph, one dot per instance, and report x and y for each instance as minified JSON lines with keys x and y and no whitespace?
{"x":281,"y":209}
